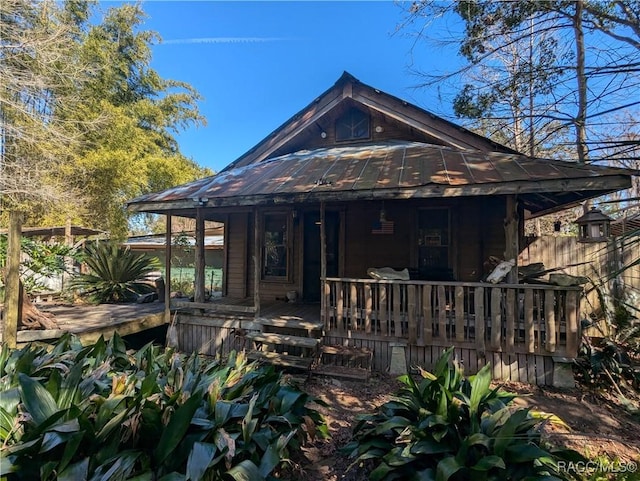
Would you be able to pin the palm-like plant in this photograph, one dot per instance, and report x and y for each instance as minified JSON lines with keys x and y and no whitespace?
{"x":116,"y":274}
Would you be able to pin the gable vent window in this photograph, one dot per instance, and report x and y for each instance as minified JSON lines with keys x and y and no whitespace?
{"x":353,"y":125}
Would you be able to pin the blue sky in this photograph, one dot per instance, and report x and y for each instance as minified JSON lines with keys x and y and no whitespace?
{"x":258,"y":63}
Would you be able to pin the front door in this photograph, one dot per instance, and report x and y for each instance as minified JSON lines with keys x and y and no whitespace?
{"x":312,"y":259}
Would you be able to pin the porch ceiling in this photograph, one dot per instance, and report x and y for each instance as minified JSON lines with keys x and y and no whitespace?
{"x":393,"y":170}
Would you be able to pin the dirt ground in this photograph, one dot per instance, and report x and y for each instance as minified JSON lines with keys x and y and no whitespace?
{"x":598,"y":424}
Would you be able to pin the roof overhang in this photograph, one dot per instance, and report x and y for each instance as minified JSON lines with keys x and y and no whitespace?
{"x":387,"y":171}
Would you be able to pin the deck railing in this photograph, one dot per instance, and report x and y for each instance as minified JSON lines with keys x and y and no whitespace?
{"x":522,"y":318}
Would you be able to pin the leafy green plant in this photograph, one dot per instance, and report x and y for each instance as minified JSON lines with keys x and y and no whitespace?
{"x":40,"y":260}
{"x":116,"y":274}
{"x":100,"y":412}
{"x":449,"y":427}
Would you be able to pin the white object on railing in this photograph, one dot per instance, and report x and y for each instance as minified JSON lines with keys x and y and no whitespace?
{"x":387,"y":273}
{"x":501,"y":271}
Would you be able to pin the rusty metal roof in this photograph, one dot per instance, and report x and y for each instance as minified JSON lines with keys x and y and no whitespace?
{"x":392,"y":170}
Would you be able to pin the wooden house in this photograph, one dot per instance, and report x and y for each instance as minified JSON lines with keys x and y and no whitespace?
{"x":360,"y":179}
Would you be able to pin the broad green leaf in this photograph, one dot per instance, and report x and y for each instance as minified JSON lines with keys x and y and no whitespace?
{"x":428,"y":446}
{"x":119,"y":467}
{"x":36,"y":399}
{"x":504,"y":435}
{"x":270,"y":459}
{"x":113,"y":423}
{"x":8,"y":464}
{"x":47,"y":468}
{"x":52,"y":439}
{"x":222,"y":412}
{"x":441,"y":410}
{"x":289,"y":398}
{"x":446,"y":468}
{"x":173,"y":477}
{"x":392,"y":424}
{"x":70,"y":450}
{"x":146,"y":476}
{"x":199,"y":459}
{"x":381,"y":472}
{"x":245,"y":471}
{"x":10,"y":399}
{"x":177,"y":427}
{"x":478,"y":438}
{"x":107,"y":410}
{"x":75,"y":472}
{"x":520,"y":453}
{"x":480,"y":387}
{"x":489,"y":462}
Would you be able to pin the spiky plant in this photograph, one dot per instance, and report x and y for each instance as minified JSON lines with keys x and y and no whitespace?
{"x":116,"y":274}
{"x":448,"y":427}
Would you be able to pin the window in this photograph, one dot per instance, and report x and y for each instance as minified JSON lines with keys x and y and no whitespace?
{"x":434,"y":244}
{"x":276,"y":246}
{"x":353,"y":125}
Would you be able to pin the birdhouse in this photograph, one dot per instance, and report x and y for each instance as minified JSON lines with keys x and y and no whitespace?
{"x":593,"y":226}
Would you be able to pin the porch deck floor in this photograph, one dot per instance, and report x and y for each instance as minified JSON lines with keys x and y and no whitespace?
{"x":91,"y":322}
{"x":279,"y":310}
{"x":274,"y":310}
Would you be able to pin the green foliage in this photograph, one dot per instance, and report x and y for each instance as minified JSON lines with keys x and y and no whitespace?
{"x":40,"y":260}
{"x":116,"y":274}
{"x":449,"y":427}
{"x":87,"y":117}
{"x":100,"y":412}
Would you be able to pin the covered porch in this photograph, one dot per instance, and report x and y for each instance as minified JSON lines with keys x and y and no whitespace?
{"x":526,"y":332}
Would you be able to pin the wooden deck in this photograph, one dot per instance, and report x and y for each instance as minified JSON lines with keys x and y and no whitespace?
{"x":91,"y":322}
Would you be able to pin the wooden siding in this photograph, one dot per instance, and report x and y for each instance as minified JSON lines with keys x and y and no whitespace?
{"x":477,"y":232}
{"x":236,"y":249}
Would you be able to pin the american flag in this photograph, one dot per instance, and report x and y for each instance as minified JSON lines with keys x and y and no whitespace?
{"x":382,"y":227}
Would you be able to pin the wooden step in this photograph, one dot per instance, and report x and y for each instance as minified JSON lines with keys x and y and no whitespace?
{"x":292,"y":324}
{"x":281,"y":359}
{"x":346,"y":358}
{"x":342,"y":372}
{"x":273,"y":338}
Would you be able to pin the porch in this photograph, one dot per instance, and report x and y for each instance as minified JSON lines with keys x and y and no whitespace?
{"x":526,"y":332}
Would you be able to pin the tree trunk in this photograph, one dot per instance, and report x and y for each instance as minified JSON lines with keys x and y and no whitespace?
{"x":581,"y":116}
{"x":32,"y":317}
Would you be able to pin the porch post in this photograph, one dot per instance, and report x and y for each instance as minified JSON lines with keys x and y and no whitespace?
{"x":13,"y":301}
{"x":323,"y":261}
{"x":257,"y":261}
{"x":512,"y":248}
{"x":167,"y":270}
{"x":199,"y":280}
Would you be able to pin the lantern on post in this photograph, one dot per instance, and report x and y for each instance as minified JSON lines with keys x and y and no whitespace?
{"x":593,"y":226}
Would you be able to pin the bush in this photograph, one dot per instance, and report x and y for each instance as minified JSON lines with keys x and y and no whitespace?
{"x":448,"y":427}
{"x":100,"y":412}
{"x":116,"y":274}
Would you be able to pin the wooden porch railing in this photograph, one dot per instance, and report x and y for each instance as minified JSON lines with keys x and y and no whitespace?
{"x":498,"y":317}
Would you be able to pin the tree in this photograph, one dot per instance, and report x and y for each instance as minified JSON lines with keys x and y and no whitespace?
{"x":101,"y":122}
{"x":562,"y":65}
{"x":36,"y":71}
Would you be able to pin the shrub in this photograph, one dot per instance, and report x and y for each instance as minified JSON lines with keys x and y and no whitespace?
{"x":116,"y":274}
{"x":100,"y":412}
{"x":448,"y":427}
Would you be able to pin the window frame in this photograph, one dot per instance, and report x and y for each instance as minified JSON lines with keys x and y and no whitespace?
{"x":348,"y":115}
{"x":428,"y":238}
{"x":286,"y":245}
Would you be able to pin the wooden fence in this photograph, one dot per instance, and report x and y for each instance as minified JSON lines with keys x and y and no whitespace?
{"x":601,"y":262}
